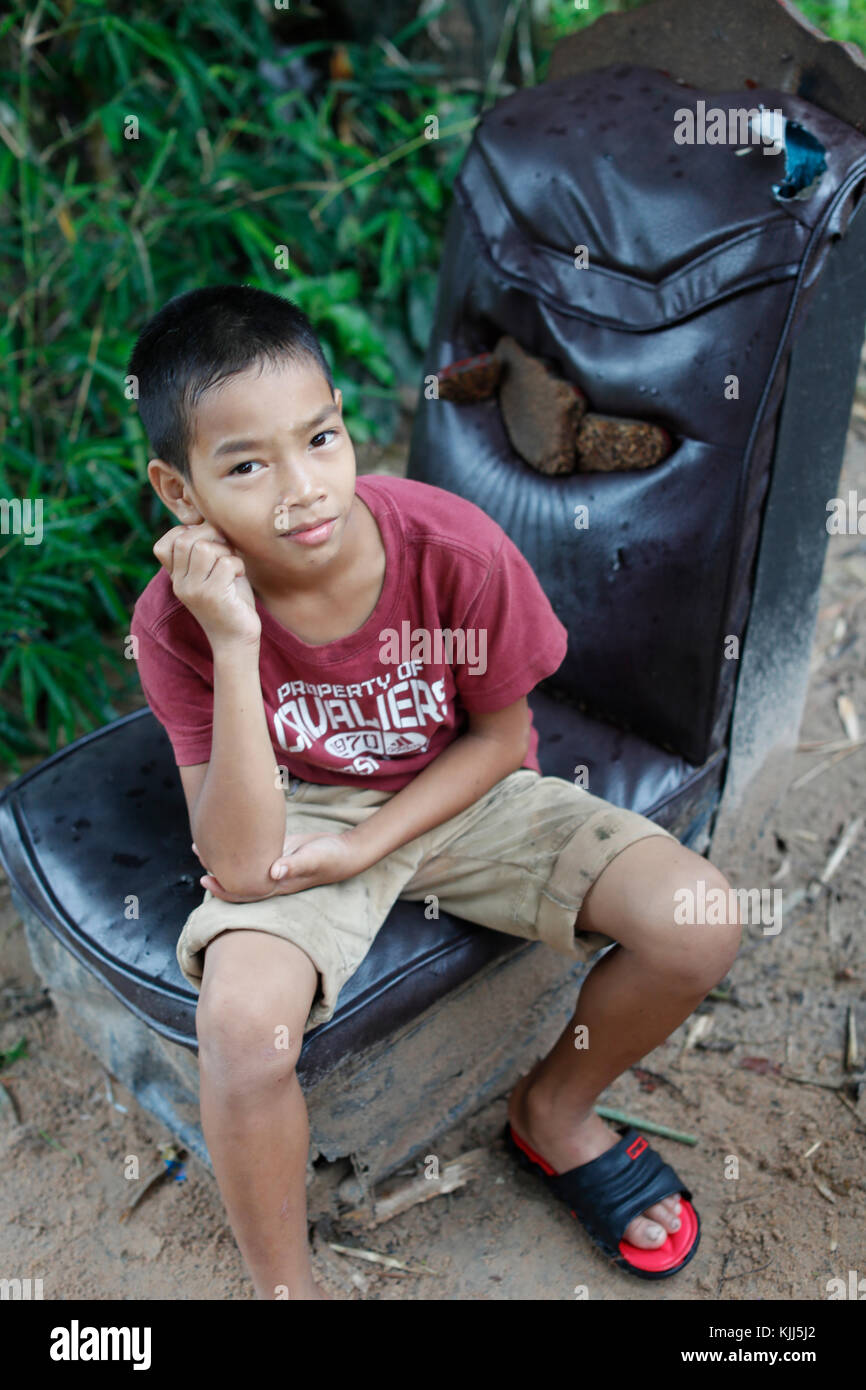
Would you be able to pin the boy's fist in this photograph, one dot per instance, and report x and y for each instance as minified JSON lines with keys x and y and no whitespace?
{"x":209,"y":578}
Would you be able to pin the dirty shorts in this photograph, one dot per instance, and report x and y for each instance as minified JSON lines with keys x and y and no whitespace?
{"x":494,"y":863}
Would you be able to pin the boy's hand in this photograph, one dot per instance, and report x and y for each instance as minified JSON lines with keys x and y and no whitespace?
{"x":210,"y":579}
{"x":306,"y":862}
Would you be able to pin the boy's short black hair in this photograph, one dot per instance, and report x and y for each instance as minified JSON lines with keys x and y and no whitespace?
{"x":200,"y":338}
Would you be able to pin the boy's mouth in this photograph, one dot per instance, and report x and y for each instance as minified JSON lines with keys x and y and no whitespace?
{"x":312,"y":533}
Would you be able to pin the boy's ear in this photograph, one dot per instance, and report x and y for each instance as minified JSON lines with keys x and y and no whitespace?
{"x":338,"y":397}
{"x":173,"y":491}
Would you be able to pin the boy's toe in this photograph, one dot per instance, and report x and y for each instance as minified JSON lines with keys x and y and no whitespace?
{"x":651,"y":1229}
{"x":645,"y":1233}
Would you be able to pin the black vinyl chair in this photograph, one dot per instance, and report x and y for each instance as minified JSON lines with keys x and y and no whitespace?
{"x":697,"y":272}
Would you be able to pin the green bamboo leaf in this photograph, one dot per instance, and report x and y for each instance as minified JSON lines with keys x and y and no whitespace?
{"x":116,"y":50}
{"x":387,"y":276}
{"x":28,"y":683}
{"x":157,"y":44}
{"x":42,"y":656}
{"x":428,"y":187}
{"x":110,"y":599}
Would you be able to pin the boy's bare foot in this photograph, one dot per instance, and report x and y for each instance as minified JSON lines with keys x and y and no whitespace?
{"x":567,"y":1145}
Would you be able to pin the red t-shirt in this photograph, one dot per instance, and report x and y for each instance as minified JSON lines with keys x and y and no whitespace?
{"x":377,"y":706}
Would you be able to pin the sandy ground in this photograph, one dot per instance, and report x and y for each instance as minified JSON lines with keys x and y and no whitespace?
{"x":793,"y":1219}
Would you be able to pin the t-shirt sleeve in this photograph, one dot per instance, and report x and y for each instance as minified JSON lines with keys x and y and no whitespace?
{"x":515,"y":630}
{"x":179,"y":695}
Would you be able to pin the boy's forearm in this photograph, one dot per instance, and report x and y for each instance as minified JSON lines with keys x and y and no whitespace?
{"x":468,"y":768}
{"x":240,"y":816}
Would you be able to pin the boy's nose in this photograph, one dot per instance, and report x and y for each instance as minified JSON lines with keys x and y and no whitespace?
{"x":301,"y":508}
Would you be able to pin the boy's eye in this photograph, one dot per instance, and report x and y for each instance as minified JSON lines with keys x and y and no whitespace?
{"x":248,"y":463}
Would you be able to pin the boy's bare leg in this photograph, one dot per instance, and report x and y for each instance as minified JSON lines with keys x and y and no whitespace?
{"x":253,"y":1111}
{"x":630,"y":1002}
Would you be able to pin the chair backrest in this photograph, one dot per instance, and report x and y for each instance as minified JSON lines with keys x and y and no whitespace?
{"x":668,"y":281}
{"x":720,"y":44}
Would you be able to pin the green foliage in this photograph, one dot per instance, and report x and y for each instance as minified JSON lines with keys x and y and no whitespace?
{"x":98,"y":230}
{"x":844,"y":20}
{"x":13,"y":1054}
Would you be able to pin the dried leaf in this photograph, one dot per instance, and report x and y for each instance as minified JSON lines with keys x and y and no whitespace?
{"x":645,"y":1079}
{"x":823,"y":1189}
{"x":701,"y":1026}
{"x":762,"y":1065}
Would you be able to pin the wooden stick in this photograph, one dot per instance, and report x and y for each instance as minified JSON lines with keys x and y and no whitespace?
{"x":828,"y":762}
{"x":375,"y":1258}
{"x":397,"y":1199}
{"x":650,"y":1126}
{"x":851,"y":1042}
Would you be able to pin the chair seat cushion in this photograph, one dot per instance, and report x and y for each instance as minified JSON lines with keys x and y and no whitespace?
{"x":96,"y":844}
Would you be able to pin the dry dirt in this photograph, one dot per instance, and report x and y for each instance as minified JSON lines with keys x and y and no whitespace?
{"x":793,"y":1219}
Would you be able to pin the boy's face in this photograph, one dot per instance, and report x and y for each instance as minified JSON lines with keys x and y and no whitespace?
{"x":270,"y":454}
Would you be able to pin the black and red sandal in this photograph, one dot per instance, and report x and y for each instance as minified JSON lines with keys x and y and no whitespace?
{"x":610,"y":1191}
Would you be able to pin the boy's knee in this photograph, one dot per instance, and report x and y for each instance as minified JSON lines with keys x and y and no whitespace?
{"x":247,"y":1037}
{"x":708,"y":923}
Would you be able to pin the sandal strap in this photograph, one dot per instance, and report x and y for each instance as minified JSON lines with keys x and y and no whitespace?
{"x":619,"y":1185}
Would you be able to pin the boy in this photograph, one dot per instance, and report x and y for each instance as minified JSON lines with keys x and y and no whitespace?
{"x":265,"y":647}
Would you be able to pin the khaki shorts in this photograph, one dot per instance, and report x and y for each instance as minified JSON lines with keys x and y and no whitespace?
{"x":494,"y":863}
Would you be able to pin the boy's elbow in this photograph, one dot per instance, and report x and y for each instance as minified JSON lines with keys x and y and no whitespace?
{"x":237,"y":879}
{"x":247,"y":890}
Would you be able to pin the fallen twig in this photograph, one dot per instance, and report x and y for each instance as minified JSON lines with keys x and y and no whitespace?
{"x":834,"y":1086}
{"x":846,"y":840}
{"x":110,"y":1096}
{"x":54,"y":1144}
{"x":827,"y":763}
{"x":817,"y":885}
{"x":848,"y":716}
{"x":807,"y":1081}
{"x":722,"y":1275}
{"x":822,"y":745}
{"x":375,"y":1258}
{"x":396,"y":1199}
{"x":650,"y":1126}
{"x":743,"y":1272}
{"x":848,"y":1106}
{"x":851,"y":1041}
